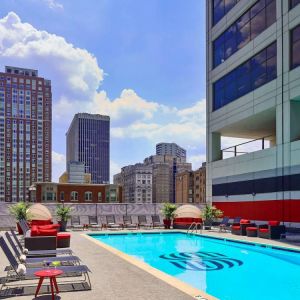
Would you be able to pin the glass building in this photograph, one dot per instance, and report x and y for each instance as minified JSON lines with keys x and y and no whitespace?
{"x":253,"y":93}
{"x":25,"y":132}
{"x":88,"y":142}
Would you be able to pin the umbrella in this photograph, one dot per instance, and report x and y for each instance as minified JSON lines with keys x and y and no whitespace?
{"x":38,"y":212}
{"x":188,"y":211}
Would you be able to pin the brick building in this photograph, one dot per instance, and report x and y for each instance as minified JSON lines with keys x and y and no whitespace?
{"x":76,"y":193}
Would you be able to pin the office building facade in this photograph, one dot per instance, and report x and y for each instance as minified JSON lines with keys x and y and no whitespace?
{"x":75,"y":173}
{"x":253,"y":92}
{"x":136,"y":182}
{"x":170,"y":149}
{"x":88,"y":142}
{"x":25,"y":132}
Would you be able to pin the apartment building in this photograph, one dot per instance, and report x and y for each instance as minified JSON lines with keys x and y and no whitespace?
{"x":253,"y":92}
{"x":25,"y":132}
{"x":170,"y":149}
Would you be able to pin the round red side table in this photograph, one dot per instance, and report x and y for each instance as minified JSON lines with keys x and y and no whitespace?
{"x":51,"y":274}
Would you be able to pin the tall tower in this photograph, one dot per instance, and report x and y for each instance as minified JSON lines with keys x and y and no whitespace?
{"x":25,"y":132}
{"x":170,"y":149}
{"x":88,"y":142}
{"x":253,"y":81}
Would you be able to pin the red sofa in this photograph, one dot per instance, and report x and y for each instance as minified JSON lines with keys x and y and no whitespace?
{"x":272,"y":230}
{"x":62,"y":240}
{"x":185,"y":223}
{"x":240,"y":228}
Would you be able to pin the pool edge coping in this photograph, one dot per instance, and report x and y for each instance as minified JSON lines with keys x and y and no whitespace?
{"x":170,"y":280}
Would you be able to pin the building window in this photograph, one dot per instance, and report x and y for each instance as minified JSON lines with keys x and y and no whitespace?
{"x":254,"y":21}
{"x":295,"y":47}
{"x":74,"y":196}
{"x":88,"y":196}
{"x":221,"y":8}
{"x":62,"y":196}
{"x":250,"y":75}
{"x":293,"y":3}
{"x":99,"y":196}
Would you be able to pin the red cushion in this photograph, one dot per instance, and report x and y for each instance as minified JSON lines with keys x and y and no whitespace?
{"x":263,"y":230}
{"x":251,"y":228}
{"x":274,"y":223}
{"x":244,"y":221}
{"x":61,"y":236}
{"x":48,"y":232}
{"x":40,"y":222}
{"x":34,"y":231}
{"x":236,"y":227}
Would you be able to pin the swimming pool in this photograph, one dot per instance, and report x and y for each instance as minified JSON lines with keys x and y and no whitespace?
{"x":225,"y":269}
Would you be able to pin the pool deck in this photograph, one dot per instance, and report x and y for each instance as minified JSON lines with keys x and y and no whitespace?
{"x":114,"y":276}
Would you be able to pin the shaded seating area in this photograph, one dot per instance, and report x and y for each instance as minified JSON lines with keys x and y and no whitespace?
{"x":240,"y":228}
{"x":272,"y":230}
{"x":185,"y":215}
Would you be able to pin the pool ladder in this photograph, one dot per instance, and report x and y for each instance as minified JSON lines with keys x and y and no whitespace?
{"x":194,"y":227}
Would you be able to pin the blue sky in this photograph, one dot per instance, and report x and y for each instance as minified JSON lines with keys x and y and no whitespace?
{"x":141,"y":62}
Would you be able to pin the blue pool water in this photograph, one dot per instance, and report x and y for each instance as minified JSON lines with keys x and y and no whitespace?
{"x":225,"y":269}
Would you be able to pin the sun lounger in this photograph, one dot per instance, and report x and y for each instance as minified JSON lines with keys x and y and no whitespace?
{"x":111,"y":223}
{"x":14,"y":275}
{"x":40,"y":252}
{"x":156,"y":221}
{"x":93,"y":223}
{"x":75,"y":223}
{"x":224,"y":224}
{"x":40,"y":260}
{"x":127,"y":223}
{"x":143,"y":222}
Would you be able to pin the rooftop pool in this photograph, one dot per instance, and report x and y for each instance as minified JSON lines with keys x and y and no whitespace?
{"x":225,"y":269}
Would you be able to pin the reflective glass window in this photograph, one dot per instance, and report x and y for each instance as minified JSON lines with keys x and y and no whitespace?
{"x":221,"y":8}
{"x":250,"y":75}
{"x":295,"y":47}
{"x":293,"y":3}
{"x":253,"y":22}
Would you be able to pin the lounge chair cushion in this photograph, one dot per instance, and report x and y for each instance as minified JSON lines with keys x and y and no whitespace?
{"x":34,"y":230}
{"x":236,"y":227}
{"x":48,"y":232}
{"x":251,"y":228}
{"x":244,"y":221}
{"x":263,"y":230}
{"x":40,"y":222}
{"x":274,"y":223}
{"x":63,"y":235}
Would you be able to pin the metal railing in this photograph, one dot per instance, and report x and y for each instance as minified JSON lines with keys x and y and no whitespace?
{"x":194,"y":227}
{"x":234,"y":149}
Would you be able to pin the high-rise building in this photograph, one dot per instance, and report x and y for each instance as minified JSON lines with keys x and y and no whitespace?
{"x":75,"y":173}
{"x":170,"y":149}
{"x":88,"y":142}
{"x":136,"y":182}
{"x":253,"y":92}
{"x":164,"y":170}
{"x":25,"y":132}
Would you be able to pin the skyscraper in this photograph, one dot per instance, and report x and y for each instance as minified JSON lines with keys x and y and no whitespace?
{"x":170,"y":149}
{"x":25,"y":131}
{"x":253,"y":80}
{"x":88,"y":142}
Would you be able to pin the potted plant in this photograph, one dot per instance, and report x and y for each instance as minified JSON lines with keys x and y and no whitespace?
{"x":19,"y":211}
{"x":209,"y":213}
{"x":63,"y":213}
{"x":168,"y":211}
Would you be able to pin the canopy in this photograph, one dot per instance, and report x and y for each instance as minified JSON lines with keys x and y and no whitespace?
{"x":188,"y":211}
{"x":38,"y":212}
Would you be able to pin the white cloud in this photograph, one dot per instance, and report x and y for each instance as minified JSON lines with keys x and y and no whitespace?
{"x":53,"y":4}
{"x":58,"y":165}
{"x":76,"y":77}
{"x":114,"y":169}
{"x":197,"y":160}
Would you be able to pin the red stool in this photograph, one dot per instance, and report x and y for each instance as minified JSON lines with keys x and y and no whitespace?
{"x":251,"y":231}
{"x":51,"y":273}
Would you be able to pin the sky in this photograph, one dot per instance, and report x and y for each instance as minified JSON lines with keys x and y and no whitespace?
{"x":142,"y":62}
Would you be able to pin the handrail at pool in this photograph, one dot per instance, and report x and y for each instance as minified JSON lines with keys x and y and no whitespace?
{"x":194,"y":227}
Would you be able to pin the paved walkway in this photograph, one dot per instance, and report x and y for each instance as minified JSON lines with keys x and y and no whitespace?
{"x":116,"y":279}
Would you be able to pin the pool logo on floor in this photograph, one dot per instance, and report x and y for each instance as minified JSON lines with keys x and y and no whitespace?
{"x":201,"y":261}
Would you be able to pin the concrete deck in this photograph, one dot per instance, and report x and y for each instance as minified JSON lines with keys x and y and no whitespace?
{"x":114,"y":278}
